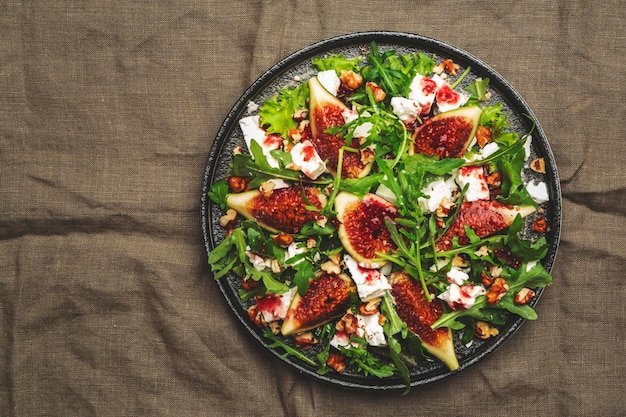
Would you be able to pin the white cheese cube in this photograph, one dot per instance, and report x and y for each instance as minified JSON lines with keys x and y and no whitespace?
{"x":304,"y":156}
{"x":439,"y":192}
{"x":538,"y":191}
{"x":252,"y":131}
{"x":370,"y":283}
{"x":475,"y":178}
{"x":329,"y":80}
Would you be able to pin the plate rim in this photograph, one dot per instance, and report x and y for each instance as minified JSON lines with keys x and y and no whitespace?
{"x":355,"y":39}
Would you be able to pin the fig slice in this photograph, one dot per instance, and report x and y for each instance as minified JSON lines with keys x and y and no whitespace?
{"x":447,"y":134}
{"x":484,"y":217}
{"x":326,"y":111}
{"x":284,"y":210}
{"x":362,"y":228}
{"x":327,"y":297}
{"x":419,"y":315}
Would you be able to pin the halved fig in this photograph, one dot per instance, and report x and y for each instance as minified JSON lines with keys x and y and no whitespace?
{"x":327,"y":297}
{"x":284,"y":210}
{"x":419,"y":314}
{"x":362,"y":228}
{"x":484,"y":217}
{"x":326,"y":111}
{"x":447,"y":134}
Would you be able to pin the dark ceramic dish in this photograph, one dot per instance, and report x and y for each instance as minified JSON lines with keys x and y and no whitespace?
{"x":298,"y":67}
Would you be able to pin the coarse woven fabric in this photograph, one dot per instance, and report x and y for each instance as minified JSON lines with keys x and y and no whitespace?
{"x":107,"y":114}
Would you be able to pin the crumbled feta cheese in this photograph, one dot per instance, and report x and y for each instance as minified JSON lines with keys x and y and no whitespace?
{"x":457,"y":276}
{"x":538,"y":191}
{"x":274,"y":306}
{"x":349,"y":115}
{"x":462,"y":297}
{"x":329,"y":80}
{"x":252,"y":107}
{"x":294,"y":249}
{"x":258,"y":262}
{"x":372,"y":329}
{"x":363,"y":130}
{"x":252,"y":131}
{"x":370,"y":283}
{"x":406,"y":109}
{"x":448,"y":99}
{"x":304,"y":156}
{"x":424,"y":90}
{"x":367,"y":327}
{"x":438,"y":192}
{"x":475,"y":178}
{"x":279,"y":183}
{"x":527,"y":144}
{"x":489,"y":149}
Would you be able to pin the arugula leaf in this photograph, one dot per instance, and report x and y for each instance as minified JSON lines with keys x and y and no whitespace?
{"x":277,"y":113}
{"x":524,"y":249}
{"x":326,"y":334}
{"x":289,"y":350}
{"x":305,"y":271}
{"x":223,"y":258}
{"x":338,"y":62}
{"x":513,"y":188}
{"x":366,"y":362}
{"x":218,"y":193}
{"x":360,"y":186}
{"x":479,"y":88}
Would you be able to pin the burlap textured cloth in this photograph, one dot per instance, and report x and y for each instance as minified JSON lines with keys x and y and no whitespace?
{"x":107,"y":114}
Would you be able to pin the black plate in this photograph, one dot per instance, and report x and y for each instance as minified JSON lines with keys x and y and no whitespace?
{"x":298,"y":67}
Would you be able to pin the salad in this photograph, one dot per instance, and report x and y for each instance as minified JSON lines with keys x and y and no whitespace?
{"x":382,"y":213}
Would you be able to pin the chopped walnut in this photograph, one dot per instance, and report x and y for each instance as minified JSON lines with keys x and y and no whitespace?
{"x":305,"y":340}
{"x":311,"y":243}
{"x":300,"y":115}
{"x":486,"y":279}
{"x":483,"y":136}
{"x":256,"y":316}
{"x":237,"y":184}
{"x":494,"y":179}
{"x":498,"y":290}
{"x":228,"y":219}
{"x":275,"y":266}
{"x":330,"y":267}
{"x":370,"y":308}
{"x":249,"y":284}
{"x":495,"y":271}
{"x":351,"y":79}
{"x":267,"y":188}
{"x":524,"y":296}
{"x":485,"y":331}
{"x":283,"y":239}
{"x":294,"y":135}
{"x":377,"y":91}
{"x":540,"y":225}
{"x":337,"y":362}
{"x":348,"y":323}
{"x":448,"y":66}
{"x":482,"y":251}
{"x":538,"y":165}
{"x":459,"y":261}
{"x":367,"y":155}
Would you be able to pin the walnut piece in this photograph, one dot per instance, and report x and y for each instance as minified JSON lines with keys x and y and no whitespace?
{"x":485,"y":331}
{"x":228,"y":219}
{"x":524,"y":296}
{"x":498,"y":290}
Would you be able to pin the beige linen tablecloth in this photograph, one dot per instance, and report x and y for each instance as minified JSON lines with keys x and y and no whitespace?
{"x":107,"y":113}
